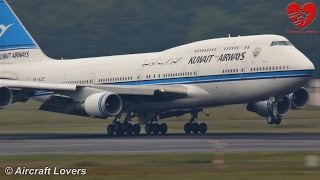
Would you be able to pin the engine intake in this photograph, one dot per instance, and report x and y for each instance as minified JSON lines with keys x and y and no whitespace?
{"x":268,"y":108}
{"x":5,"y":97}
{"x":103,"y":105}
{"x":299,"y":99}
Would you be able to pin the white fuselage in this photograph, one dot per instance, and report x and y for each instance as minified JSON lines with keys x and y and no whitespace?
{"x":216,"y":72}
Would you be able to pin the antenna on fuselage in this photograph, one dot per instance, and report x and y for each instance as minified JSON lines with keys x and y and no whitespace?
{"x":229,"y":35}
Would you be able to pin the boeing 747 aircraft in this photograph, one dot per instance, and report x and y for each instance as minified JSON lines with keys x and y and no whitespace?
{"x":266,"y":72}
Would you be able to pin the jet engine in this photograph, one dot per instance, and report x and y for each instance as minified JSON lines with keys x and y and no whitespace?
{"x":5,"y":97}
{"x":103,"y":105}
{"x":271,"y":109}
{"x":299,"y":99}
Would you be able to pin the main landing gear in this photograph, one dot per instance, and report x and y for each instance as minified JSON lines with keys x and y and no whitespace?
{"x":194,"y":127}
{"x":274,"y":120}
{"x":155,"y":128}
{"x":126,"y":128}
{"x":152,"y":126}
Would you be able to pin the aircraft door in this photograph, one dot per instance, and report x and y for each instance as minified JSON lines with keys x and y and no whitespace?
{"x":140,"y":76}
{"x":243,"y":70}
{"x":92,"y":79}
{"x":195,"y":72}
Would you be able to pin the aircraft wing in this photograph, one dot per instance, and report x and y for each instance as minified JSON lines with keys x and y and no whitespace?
{"x":19,"y":85}
{"x":69,"y":99}
{"x":31,"y":89}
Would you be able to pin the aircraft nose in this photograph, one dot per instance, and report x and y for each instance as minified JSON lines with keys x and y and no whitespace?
{"x":305,"y":63}
{"x":308,"y":65}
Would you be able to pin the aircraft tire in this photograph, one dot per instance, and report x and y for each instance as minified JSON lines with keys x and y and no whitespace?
{"x":155,"y":129}
{"x":118,"y":128}
{"x":270,"y":120}
{"x":278,"y":121}
{"x":130,"y":129}
{"x":195,"y":128}
{"x":111,"y":130}
{"x":125,"y":127}
{"x":148,"y":128}
{"x":163,"y":129}
{"x":203,"y":128}
{"x":188,"y":128}
{"x":136,"y":129}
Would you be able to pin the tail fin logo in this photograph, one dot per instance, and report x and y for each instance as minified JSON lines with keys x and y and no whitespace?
{"x":4,"y":29}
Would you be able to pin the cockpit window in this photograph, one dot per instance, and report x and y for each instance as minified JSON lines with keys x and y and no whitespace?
{"x":281,"y":43}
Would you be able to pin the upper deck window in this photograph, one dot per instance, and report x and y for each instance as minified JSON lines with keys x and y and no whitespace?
{"x":281,"y":43}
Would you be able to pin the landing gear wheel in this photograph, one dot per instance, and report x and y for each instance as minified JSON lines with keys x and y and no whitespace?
{"x":129,"y":129}
{"x":136,"y":129}
{"x":270,"y":120}
{"x":278,"y":121}
{"x":203,"y":128}
{"x":125,"y":127}
{"x":148,"y":128}
{"x":188,"y":128}
{"x":110,"y":129}
{"x":155,"y":129}
{"x":163,"y":129}
{"x":195,"y":128}
{"x":118,"y":128}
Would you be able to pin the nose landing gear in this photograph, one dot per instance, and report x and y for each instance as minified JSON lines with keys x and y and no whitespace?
{"x":274,"y":120}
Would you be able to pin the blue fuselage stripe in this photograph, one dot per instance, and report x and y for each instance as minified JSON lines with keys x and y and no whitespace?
{"x":222,"y":78}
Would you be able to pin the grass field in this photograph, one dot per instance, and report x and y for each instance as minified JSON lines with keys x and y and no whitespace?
{"x":237,"y":166}
{"x":25,"y":118}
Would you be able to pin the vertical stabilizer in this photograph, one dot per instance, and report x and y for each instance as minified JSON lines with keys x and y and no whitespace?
{"x":16,"y":44}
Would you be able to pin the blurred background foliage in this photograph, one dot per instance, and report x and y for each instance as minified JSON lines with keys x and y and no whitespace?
{"x":84,"y":28}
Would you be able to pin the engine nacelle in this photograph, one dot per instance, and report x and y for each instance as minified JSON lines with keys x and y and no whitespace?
{"x":103,"y":105}
{"x":269,"y":108}
{"x":299,"y":99}
{"x":5,"y":97}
